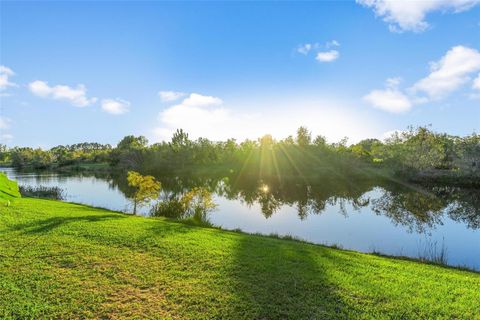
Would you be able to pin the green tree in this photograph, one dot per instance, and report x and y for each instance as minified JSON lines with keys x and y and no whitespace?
{"x":288,"y":141}
{"x":129,"y":153}
{"x":4,"y":153}
{"x":320,"y":141}
{"x":132,"y":142}
{"x":304,"y":137}
{"x":180,"y":140}
{"x":468,"y":153}
{"x":266,"y":142}
{"x":181,"y":146}
{"x":146,"y":189}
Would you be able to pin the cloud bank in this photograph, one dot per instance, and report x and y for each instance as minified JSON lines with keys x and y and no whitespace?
{"x":447,"y":75}
{"x":408,"y":15}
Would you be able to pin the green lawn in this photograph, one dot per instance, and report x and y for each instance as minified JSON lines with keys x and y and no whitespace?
{"x":64,"y":261}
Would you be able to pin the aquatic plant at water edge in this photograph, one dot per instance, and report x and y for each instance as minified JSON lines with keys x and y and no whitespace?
{"x":54,"y":193}
{"x":195,"y":204}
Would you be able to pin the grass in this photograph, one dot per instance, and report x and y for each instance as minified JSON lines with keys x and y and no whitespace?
{"x":62,"y":261}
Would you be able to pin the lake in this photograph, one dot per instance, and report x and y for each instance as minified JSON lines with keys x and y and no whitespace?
{"x":369,"y":216}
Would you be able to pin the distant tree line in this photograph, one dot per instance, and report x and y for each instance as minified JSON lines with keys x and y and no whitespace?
{"x":416,"y":152}
{"x":59,"y":156}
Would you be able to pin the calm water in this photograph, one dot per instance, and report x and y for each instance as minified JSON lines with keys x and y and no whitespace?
{"x":366,"y":216}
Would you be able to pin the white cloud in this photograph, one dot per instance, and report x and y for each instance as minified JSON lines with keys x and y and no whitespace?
{"x":305,"y":48}
{"x":198,"y":114}
{"x":331,"y":44}
{"x":215,"y":121}
{"x":5,"y":123}
{"x":115,"y":106}
{"x":409,"y":15}
{"x":476,"y":86}
{"x":324,"y":56}
{"x":198,"y":100}
{"x":171,"y":95}
{"x":77,"y":96}
{"x":390,"y":99}
{"x":5,"y":74}
{"x":327,"y":56}
{"x":448,"y":74}
{"x":476,"y":83}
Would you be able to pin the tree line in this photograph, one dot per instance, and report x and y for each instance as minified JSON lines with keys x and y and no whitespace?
{"x":417,"y":152}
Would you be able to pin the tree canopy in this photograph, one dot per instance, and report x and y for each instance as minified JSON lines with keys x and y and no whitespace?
{"x":414,"y":152}
{"x":146,"y":189}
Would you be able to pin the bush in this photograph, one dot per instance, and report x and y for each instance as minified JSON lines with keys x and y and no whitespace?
{"x":54,"y":193}
{"x":195,"y":204}
{"x":170,"y":208}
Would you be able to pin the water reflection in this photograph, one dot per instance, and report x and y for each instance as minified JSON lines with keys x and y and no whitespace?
{"x":416,"y":207}
{"x":422,"y":209}
{"x":360,"y":214}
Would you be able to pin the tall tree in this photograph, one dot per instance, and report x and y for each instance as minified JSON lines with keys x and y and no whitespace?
{"x":304,"y":137}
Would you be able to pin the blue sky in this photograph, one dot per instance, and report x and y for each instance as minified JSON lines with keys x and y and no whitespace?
{"x":93,"y":71}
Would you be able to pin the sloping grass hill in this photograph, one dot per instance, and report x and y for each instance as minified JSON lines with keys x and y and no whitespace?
{"x":67,"y":261}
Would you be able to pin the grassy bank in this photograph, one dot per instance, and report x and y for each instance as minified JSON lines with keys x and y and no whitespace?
{"x":60,"y":260}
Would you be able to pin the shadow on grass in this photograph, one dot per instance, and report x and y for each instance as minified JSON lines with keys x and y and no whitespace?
{"x":47,"y":225}
{"x":279,"y":279}
{"x":159,"y":228}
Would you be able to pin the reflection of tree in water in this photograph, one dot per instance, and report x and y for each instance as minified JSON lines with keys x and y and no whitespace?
{"x":268,"y":202}
{"x":422,"y":209}
{"x":465,"y":206}
{"x":308,"y":197}
{"x":418,"y":208}
{"x":411,"y":208}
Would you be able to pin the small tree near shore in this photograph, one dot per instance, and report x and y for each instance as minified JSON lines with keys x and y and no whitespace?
{"x":146,"y":189}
